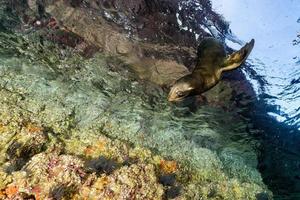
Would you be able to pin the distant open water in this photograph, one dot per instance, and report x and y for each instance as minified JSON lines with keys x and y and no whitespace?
{"x":275,"y":25}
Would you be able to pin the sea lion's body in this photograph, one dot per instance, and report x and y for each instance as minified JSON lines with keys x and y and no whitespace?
{"x":211,"y":62}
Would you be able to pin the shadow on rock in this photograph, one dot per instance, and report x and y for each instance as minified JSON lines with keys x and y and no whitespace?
{"x":102,"y":165}
{"x":62,"y":191}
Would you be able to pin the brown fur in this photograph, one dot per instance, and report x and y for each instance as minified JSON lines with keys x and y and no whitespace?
{"x":211,"y":62}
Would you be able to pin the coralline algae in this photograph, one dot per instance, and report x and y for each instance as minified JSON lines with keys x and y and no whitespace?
{"x":75,"y":128}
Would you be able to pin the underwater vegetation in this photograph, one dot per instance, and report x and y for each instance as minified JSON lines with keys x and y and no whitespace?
{"x":81,"y":118}
{"x":99,"y":136}
{"x":65,"y":137}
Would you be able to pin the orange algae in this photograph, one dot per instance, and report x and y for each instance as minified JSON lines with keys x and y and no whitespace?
{"x":2,"y":194}
{"x":11,"y":191}
{"x":101,"y":145}
{"x":37,"y":192}
{"x":32,"y":128}
{"x":89,"y":150}
{"x":101,"y":183}
{"x":3,"y":128}
{"x":168,"y":166}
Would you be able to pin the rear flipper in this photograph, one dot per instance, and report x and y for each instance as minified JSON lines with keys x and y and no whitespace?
{"x":237,"y":58}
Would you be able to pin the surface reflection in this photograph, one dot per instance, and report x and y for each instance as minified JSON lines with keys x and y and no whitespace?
{"x":276,"y":28}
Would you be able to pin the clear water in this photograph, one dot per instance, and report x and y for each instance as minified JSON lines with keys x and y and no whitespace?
{"x":100,"y":95}
{"x":275,"y":25}
{"x":208,"y":138}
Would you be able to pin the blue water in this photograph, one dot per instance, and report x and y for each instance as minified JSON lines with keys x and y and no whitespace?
{"x":275,"y":75}
{"x":275,"y":25}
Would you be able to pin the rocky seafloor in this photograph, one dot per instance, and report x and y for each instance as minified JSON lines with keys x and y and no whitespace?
{"x":85,"y":121}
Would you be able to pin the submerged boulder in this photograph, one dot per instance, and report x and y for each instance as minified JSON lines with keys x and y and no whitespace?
{"x":47,"y":176}
{"x":153,"y":37}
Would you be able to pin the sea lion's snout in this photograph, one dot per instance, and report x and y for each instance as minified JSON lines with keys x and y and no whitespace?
{"x":172,"y":97}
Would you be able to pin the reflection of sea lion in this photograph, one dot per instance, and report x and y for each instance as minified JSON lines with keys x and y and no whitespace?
{"x":212,"y":61}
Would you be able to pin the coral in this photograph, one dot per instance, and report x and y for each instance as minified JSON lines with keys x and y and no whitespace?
{"x":134,"y":182}
{"x":105,"y":143}
{"x":11,"y":191}
{"x":111,"y":168}
{"x":168,"y":167}
{"x":47,"y":176}
{"x":25,"y":143}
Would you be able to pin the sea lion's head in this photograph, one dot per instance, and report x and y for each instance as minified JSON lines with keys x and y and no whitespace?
{"x":182,"y":88}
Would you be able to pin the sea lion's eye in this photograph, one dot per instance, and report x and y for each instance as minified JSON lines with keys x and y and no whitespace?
{"x":180,"y":94}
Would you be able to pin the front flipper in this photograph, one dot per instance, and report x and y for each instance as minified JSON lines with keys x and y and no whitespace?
{"x":237,"y":58}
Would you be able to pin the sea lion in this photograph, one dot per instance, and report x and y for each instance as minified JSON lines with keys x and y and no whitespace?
{"x":211,"y":62}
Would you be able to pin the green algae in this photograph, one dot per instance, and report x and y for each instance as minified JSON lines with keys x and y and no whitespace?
{"x":97,"y":107}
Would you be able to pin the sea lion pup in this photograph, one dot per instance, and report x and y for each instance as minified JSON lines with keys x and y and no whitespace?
{"x":211,"y":62}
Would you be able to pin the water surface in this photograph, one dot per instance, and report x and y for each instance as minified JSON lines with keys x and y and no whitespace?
{"x":276,"y":56}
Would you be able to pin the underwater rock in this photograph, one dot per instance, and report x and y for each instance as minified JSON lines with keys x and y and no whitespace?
{"x":79,"y":113}
{"x":167,"y":180}
{"x":134,"y":182}
{"x":109,"y":39}
{"x":33,"y":5}
{"x":161,"y":21}
{"x":162,"y":51}
{"x":116,"y":31}
{"x":47,"y":176}
{"x":61,"y":176}
{"x":26,"y":144}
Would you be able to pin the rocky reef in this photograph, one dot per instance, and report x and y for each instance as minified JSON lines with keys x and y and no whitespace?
{"x":83,"y":114}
